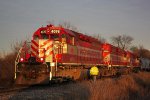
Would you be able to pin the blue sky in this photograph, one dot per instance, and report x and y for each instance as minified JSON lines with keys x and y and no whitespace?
{"x":20,"y":18}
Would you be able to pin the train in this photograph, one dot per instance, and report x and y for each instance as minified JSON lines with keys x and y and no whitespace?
{"x":57,"y":54}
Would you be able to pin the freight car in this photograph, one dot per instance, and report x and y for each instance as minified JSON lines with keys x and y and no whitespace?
{"x":58,"y":54}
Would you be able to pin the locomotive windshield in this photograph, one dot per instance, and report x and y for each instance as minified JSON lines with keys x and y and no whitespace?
{"x":44,"y":36}
{"x":54,"y":36}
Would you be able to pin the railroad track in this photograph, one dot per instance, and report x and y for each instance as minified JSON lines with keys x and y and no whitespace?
{"x":8,"y":91}
{"x":28,"y":92}
{"x":15,"y":89}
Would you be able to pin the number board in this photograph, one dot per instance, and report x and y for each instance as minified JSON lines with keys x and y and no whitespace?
{"x":43,"y":31}
{"x":55,"y":31}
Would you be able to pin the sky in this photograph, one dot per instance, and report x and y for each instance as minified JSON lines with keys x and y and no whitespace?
{"x":20,"y":18}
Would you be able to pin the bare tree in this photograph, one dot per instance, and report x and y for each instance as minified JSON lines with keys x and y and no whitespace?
{"x":145,"y":53}
{"x":64,"y":24}
{"x":140,"y":51}
{"x":122,"y":41}
{"x":16,"y":46}
{"x":99,"y":37}
{"x":135,"y":50}
{"x":68,"y":25}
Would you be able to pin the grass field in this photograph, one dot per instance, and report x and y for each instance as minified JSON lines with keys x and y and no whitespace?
{"x":135,"y":86}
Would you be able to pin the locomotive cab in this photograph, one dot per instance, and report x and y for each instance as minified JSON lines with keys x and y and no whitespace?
{"x":46,"y":51}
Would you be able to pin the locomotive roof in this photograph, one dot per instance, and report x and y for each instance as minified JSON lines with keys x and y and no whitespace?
{"x":82,"y":36}
{"x":70,"y":32}
{"x":37,"y":32}
{"x":78,"y":35}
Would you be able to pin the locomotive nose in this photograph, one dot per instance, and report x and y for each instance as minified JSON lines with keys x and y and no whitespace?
{"x":32,"y":60}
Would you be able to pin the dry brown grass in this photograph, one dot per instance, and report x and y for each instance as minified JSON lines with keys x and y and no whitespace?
{"x":128,"y":87}
{"x":7,"y":69}
{"x":7,"y":64}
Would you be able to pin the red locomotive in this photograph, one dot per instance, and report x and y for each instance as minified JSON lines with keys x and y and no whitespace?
{"x":57,"y":54}
{"x":114,"y":56}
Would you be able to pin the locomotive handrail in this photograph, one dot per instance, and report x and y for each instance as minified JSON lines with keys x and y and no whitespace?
{"x":18,"y":56}
{"x":17,"y":60}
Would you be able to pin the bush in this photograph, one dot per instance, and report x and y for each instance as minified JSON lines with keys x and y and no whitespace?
{"x":7,"y":69}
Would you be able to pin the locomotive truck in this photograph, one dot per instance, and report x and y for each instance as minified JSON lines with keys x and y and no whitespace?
{"x":59,"y":54}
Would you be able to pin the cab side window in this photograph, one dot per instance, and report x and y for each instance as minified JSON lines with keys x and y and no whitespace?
{"x":54,"y":37}
{"x":44,"y":36}
{"x":72,"y":40}
{"x":63,"y":38}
